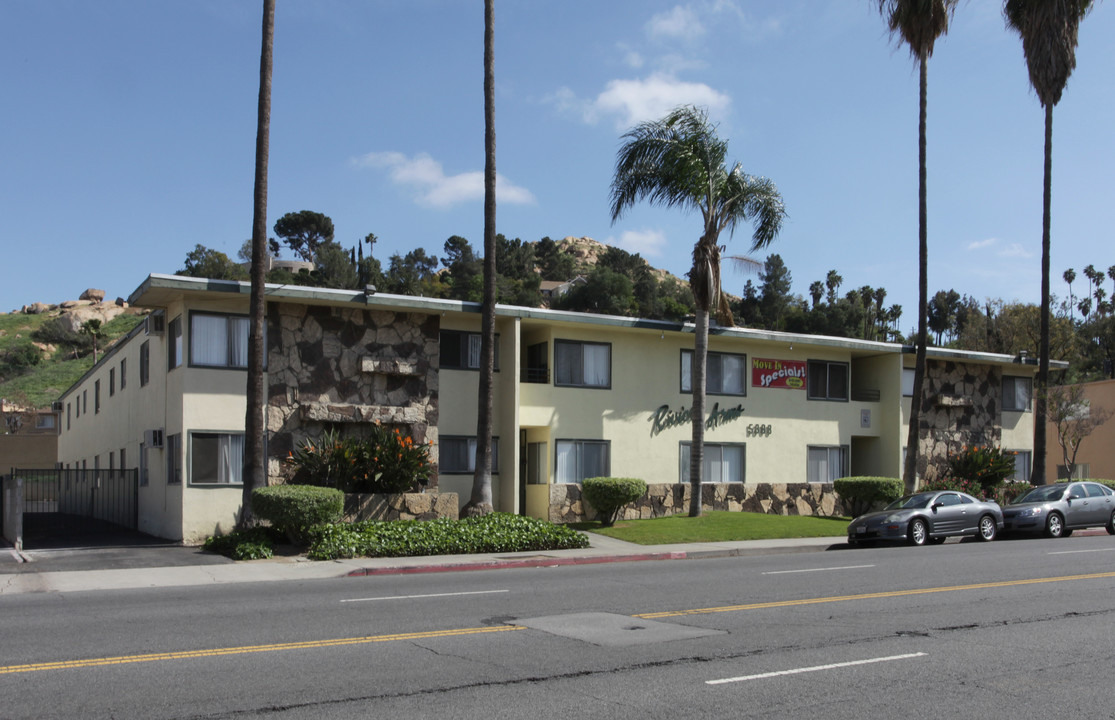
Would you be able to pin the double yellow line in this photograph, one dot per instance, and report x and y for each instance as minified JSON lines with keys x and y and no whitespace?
{"x":338,"y":642}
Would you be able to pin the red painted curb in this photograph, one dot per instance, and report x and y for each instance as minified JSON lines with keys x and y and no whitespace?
{"x":507,"y":564}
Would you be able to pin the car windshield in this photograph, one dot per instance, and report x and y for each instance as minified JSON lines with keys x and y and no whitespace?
{"x":920,"y":500}
{"x":1045,"y":493}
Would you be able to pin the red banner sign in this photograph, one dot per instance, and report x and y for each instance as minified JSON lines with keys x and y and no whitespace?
{"x":788,"y":374}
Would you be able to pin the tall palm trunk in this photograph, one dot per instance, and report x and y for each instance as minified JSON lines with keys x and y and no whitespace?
{"x":697,"y":448}
{"x":254,"y":471}
{"x":480,"y":501}
{"x":913,"y":437}
{"x":1037,"y":470}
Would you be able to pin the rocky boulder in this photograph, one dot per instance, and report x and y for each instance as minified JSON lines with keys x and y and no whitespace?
{"x":93,"y":294}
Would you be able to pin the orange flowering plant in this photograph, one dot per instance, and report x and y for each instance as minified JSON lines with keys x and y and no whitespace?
{"x":385,"y":461}
{"x":984,"y":466}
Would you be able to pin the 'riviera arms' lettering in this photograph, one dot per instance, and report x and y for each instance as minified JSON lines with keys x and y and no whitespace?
{"x":665,"y":418}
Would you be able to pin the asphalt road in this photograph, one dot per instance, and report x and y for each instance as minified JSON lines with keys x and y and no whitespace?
{"x":962,"y":630}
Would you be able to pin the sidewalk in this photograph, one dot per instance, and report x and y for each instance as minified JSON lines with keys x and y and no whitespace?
{"x":140,"y":568}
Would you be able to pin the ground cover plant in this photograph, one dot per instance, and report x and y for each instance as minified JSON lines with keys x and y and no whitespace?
{"x":720,"y":526}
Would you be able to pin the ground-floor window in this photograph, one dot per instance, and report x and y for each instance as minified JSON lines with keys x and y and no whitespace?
{"x":580,"y":459}
{"x":458,"y":455}
{"x":1021,"y":467}
{"x":826,"y":463}
{"x":721,"y":462}
{"x":216,"y":458}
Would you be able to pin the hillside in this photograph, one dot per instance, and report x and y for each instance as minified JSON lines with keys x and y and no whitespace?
{"x":45,"y":348}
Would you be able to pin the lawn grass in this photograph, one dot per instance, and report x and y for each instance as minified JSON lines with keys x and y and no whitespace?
{"x":720,"y":527}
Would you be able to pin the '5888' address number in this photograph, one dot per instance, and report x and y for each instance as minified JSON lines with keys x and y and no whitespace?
{"x":757,"y":430}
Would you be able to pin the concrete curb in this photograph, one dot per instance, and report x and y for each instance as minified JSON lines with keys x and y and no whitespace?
{"x":510,"y":564}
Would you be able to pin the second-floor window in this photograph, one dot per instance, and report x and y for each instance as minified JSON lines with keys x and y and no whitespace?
{"x":460,"y":350}
{"x":218,"y":340}
{"x":174,"y":343}
{"x":828,"y":380}
{"x":725,"y":373}
{"x":144,"y":363}
{"x":582,"y":364}
{"x":1016,"y":393}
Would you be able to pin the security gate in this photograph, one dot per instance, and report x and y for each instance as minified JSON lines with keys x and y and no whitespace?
{"x":72,"y":501}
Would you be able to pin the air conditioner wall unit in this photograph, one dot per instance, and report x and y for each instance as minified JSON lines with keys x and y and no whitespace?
{"x":57,"y":406}
{"x":156,"y":323}
{"x":153,"y":438}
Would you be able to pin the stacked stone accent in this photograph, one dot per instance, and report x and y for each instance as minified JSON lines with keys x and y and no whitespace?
{"x":347,"y":368}
{"x":961,"y":407}
{"x":405,"y":506}
{"x":661,"y":499}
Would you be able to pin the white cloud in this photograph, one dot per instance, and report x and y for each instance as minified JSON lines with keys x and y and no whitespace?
{"x":1014,"y":250}
{"x":980,"y":244}
{"x":435,"y":188}
{"x":680,"y":22}
{"x":634,"y":101}
{"x":648,"y":243}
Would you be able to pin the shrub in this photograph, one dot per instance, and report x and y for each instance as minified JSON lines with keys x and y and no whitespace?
{"x":862,"y":494}
{"x":253,"y":544}
{"x":988,"y":466}
{"x":496,"y":532}
{"x":294,"y":508}
{"x":386,"y":461}
{"x":609,"y":495}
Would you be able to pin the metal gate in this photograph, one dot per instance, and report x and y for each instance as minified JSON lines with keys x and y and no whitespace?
{"x":56,"y":496}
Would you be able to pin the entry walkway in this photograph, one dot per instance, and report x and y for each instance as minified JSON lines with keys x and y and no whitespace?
{"x":176,"y":566}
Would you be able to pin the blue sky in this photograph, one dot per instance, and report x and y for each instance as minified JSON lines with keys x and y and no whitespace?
{"x":128,"y":133}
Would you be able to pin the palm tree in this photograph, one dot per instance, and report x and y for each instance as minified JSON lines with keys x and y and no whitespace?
{"x":919,"y":23}
{"x":480,"y":501}
{"x":1049,"y":32}
{"x":816,"y":290}
{"x":254,"y":474}
{"x":679,"y":162}
{"x":832,"y":284}
{"x":1069,"y":276}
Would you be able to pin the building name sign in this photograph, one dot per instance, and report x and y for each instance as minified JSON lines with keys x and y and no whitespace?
{"x":778,"y":373}
{"x":664,"y":418}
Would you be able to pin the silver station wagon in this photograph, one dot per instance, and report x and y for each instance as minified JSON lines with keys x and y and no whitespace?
{"x":1057,"y":510}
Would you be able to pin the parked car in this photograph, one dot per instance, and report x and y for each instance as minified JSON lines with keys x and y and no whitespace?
{"x":1059,"y":509}
{"x":929,"y":517}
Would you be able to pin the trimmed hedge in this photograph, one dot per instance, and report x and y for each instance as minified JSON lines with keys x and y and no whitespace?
{"x":496,"y":532}
{"x":609,"y":495}
{"x":861,"y":494}
{"x":294,"y":508}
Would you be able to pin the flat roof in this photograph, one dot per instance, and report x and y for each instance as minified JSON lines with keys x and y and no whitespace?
{"x":159,"y":290}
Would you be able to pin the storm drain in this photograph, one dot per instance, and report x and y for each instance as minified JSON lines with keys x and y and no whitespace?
{"x":611,"y":630}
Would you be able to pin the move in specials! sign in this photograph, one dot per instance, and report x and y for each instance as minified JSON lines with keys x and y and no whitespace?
{"x":788,"y":374}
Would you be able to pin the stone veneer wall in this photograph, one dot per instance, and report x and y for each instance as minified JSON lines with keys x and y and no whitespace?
{"x":662,"y":499}
{"x":961,"y":406}
{"x":348,"y":367}
{"x":403,"y":506}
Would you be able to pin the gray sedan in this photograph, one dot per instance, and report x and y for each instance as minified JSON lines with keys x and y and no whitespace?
{"x":1059,"y":509}
{"x":929,"y":517}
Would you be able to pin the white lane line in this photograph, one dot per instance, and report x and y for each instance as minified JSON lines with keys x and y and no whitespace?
{"x":845,"y":567}
{"x":1071,"y":552}
{"x":816,"y":668}
{"x":417,"y":597}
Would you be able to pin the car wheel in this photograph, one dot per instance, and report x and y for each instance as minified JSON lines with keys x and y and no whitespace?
{"x":1111,"y":524}
{"x":1055,"y":525}
{"x":987,"y":528}
{"x":918,"y":532}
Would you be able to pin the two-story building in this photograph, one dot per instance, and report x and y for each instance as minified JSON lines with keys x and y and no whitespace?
{"x":576,"y":395}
